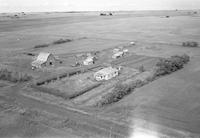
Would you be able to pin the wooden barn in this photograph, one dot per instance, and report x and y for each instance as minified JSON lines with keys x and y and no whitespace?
{"x":44,"y":59}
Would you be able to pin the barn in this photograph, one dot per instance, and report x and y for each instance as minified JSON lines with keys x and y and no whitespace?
{"x":43,"y":59}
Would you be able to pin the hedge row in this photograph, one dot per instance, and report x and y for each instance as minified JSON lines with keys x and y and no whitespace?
{"x":61,"y":41}
{"x":56,"y":42}
{"x":119,"y":91}
{"x":190,"y":44}
{"x":172,"y":64}
{"x":11,"y":76}
{"x":41,"y":46}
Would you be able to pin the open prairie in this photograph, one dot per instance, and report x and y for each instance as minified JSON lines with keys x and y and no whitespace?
{"x":166,"y":107}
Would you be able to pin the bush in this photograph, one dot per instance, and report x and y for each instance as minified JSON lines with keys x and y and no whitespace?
{"x":41,"y":46}
{"x":167,"y":66}
{"x":190,"y":44}
{"x":61,"y":41}
{"x":141,"y":69}
{"x":118,"y":93}
{"x":102,"y":14}
{"x":13,"y":76}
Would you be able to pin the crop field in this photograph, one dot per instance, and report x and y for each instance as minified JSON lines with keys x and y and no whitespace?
{"x":62,"y":100}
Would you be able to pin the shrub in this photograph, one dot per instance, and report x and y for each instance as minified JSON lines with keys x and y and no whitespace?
{"x":61,"y":41}
{"x":102,"y":14}
{"x":29,"y":54}
{"x":190,"y":44}
{"x":167,"y":66}
{"x":118,"y":93}
{"x":141,"y":69}
{"x":7,"y":75}
{"x":41,"y":46}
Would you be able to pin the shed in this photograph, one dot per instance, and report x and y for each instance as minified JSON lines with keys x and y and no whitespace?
{"x":118,"y":54}
{"x":43,"y":59}
{"x":106,"y":73}
{"x":89,"y":61}
{"x":116,"y":50}
{"x":132,"y":43}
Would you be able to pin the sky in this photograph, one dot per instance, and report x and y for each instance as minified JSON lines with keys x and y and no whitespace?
{"x":95,"y":5}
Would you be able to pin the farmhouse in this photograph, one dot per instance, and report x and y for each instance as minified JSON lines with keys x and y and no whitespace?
{"x":106,"y":74}
{"x":43,"y":59}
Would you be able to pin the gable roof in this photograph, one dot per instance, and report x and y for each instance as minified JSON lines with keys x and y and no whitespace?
{"x":43,"y":56}
{"x":106,"y":71}
{"x":41,"y":59}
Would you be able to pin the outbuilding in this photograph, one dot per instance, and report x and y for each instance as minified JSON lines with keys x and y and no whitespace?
{"x":106,"y":73}
{"x":43,"y":59}
{"x":118,"y":54}
{"x":89,"y":61}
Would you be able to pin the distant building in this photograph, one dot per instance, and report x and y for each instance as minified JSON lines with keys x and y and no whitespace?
{"x":115,"y":50}
{"x":125,"y":51}
{"x":89,"y":61}
{"x":106,"y":74}
{"x":132,"y":43}
{"x":106,"y":14}
{"x":43,"y":59}
{"x":103,"y":14}
{"x":118,"y":54}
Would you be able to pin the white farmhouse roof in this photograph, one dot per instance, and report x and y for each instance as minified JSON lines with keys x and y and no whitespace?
{"x":89,"y":59}
{"x":119,"y":53}
{"x":106,"y":71}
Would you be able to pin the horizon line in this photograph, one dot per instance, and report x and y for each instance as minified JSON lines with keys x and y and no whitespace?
{"x":78,"y":11}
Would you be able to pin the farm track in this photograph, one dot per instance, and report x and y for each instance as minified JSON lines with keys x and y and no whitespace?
{"x":97,"y":125}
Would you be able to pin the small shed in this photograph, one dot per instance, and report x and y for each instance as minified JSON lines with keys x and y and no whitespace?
{"x":43,"y":59}
{"x":132,"y":43}
{"x":125,"y":51}
{"x":89,"y":61}
{"x":106,"y":73}
{"x":115,"y":50}
{"x":118,"y":54}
